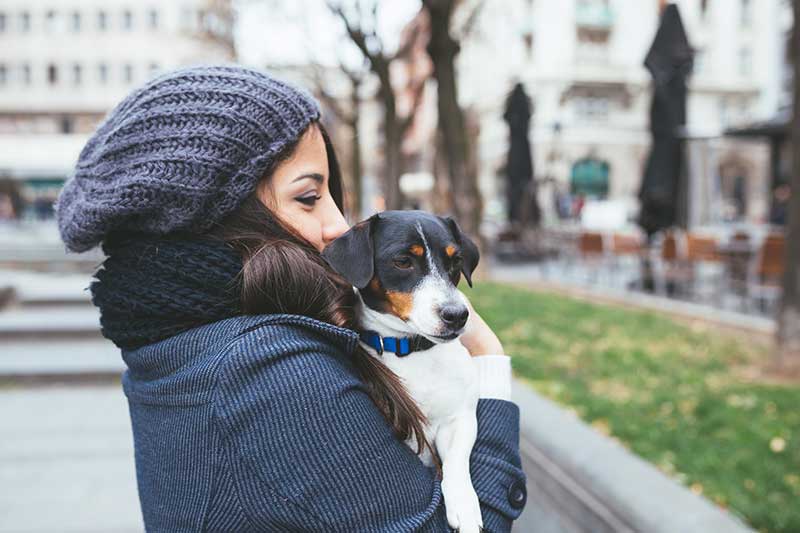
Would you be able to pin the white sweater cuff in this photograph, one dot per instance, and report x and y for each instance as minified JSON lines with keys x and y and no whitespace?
{"x":494,"y":376}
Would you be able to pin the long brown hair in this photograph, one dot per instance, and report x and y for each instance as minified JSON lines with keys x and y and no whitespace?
{"x":284,"y":273}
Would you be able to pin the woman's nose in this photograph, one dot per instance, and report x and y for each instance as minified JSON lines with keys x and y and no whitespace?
{"x":335,"y":224}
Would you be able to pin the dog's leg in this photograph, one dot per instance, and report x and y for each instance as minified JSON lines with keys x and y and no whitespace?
{"x":454,"y":441}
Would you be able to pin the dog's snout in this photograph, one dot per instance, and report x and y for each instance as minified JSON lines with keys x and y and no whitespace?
{"x":454,"y":316}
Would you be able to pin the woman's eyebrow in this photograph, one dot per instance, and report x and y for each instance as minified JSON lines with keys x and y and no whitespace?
{"x":316,"y":177}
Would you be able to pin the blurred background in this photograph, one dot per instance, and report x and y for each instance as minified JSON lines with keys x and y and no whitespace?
{"x":626,"y":166}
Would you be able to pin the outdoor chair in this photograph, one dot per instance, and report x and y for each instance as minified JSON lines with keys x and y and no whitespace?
{"x":765,"y":279}
{"x":563,"y":252}
{"x":706,"y":270}
{"x":672,"y":275}
{"x":737,"y":255}
{"x":592,"y":252}
{"x":626,"y":252}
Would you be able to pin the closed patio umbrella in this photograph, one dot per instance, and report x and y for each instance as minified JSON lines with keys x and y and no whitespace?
{"x":520,"y":188}
{"x":669,"y":62}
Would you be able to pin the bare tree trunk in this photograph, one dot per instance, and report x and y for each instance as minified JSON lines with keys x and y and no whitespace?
{"x":356,"y":163}
{"x":351,"y":117}
{"x":443,"y":49}
{"x":394,"y":126}
{"x":788,"y":335}
{"x":392,"y":154}
{"x":443,"y":196}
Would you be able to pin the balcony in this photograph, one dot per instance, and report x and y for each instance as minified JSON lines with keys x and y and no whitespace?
{"x":595,"y":16}
{"x":593,"y":21}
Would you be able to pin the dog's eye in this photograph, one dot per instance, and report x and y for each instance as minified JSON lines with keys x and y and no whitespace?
{"x":403,"y":262}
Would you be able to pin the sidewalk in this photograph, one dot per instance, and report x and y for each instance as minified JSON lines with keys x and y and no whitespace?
{"x":66,"y":461}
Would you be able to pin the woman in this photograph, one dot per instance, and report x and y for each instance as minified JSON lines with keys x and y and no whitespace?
{"x":212,"y":191}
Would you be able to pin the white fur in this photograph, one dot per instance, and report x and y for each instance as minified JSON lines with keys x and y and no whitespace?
{"x":444,"y":382}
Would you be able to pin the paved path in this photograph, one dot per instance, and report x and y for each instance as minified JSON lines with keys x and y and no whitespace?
{"x":66,"y":461}
{"x":66,"y":464}
{"x":31,"y":356}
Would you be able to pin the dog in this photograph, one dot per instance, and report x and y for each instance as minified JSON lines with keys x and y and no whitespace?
{"x":406,"y":266}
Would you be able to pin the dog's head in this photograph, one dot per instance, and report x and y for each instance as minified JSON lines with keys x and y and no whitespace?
{"x":408,"y":264}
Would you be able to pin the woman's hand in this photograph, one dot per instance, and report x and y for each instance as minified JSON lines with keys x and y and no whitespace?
{"x":478,"y":338}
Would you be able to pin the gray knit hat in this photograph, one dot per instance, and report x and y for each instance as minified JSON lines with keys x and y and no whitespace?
{"x":180,"y":153}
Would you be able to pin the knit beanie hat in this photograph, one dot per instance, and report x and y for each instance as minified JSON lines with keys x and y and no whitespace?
{"x":180,"y":153}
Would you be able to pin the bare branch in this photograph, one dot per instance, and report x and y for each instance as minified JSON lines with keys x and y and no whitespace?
{"x":416,"y":101}
{"x":471,"y":22}
{"x":405,"y":47}
{"x":331,"y":102}
{"x":355,"y":33}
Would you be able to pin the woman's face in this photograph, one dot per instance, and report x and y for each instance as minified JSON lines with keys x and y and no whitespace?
{"x":298,"y":192}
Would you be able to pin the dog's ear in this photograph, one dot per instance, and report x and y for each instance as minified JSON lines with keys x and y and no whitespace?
{"x":351,"y":254}
{"x":469,"y":251}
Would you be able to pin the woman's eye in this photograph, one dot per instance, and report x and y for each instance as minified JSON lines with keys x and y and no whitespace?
{"x":308,"y":200}
{"x":403,"y":262}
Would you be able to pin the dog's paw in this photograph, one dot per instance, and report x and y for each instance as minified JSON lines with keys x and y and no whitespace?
{"x":461,"y":504}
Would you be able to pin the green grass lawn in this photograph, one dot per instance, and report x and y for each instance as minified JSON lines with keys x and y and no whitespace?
{"x":674,"y":394}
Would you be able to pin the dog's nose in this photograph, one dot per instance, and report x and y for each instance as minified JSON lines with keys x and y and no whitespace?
{"x":454,"y":316}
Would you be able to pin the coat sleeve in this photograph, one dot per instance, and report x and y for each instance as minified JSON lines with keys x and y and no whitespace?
{"x":310,"y":451}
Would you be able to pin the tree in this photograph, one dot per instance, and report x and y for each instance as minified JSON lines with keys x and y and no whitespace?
{"x":360,"y":25}
{"x":443,"y":48}
{"x":350,"y":116}
{"x":788,"y":331}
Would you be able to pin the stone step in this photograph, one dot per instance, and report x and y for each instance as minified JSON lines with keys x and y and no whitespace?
{"x":49,"y":322}
{"x":55,"y":357}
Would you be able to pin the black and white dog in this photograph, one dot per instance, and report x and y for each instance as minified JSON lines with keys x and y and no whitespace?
{"x":406,"y":266}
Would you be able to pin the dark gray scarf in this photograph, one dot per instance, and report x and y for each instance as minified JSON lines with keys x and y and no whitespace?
{"x":150,"y":288}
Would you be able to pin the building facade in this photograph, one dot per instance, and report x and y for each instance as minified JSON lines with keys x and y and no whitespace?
{"x":582,"y":62}
{"x":64,"y":65}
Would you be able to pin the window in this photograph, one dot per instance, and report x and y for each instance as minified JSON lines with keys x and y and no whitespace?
{"x":3,"y":75}
{"x":724,"y":116}
{"x":50,"y":21}
{"x":77,"y":74}
{"x":153,"y":69}
{"x":25,"y":21}
{"x":102,"y":20}
{"x":592,"y":107}
{"x":591,"y":52}
{"x":25,"y":73}
{"x":66,"y":125}
{"x":102,"y":73}
{"x":188,"y":18}
{"x":746,"y":13}
{"x":127,"y":20}
{"x":76,"y":21}
{"x":52,"y":74}
{"x":2,"y":22}
{"x":745,"y":61}
{"x":127,"y":73}
{"x":699,"y":64}
{"x":152,"y":17}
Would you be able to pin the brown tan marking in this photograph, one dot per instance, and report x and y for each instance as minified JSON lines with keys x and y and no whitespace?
{"x":450,"y":250}
{"x":400,"y":302}
{"x":417,"y":250}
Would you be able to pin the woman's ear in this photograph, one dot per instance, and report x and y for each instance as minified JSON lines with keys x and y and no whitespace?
{"x":351,"y":254}
{"x":469,"y":251}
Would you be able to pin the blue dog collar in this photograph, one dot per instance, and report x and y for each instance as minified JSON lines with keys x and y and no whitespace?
{"x":401,"y":346}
